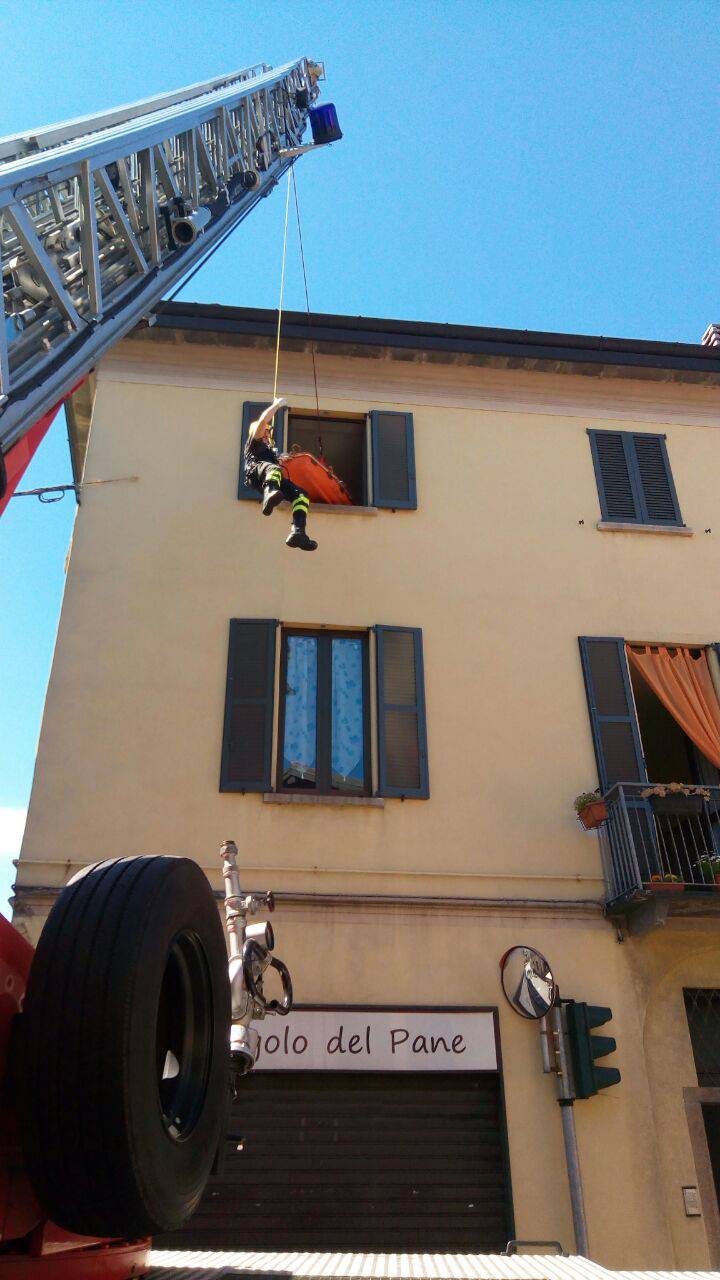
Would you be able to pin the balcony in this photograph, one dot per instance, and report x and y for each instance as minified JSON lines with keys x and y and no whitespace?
{"x":660,"y":848}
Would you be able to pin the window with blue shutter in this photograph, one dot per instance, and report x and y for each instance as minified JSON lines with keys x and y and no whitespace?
{"x":252,"y":410}
{"x":402,"y":733}
{"x":324,"y":721}
{"x":393,"y":459}
{"x":634,"y":479}
{"x":616,"y":736}
{"x":247,"y":735}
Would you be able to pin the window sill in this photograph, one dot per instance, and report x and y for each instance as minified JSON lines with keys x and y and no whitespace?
{"x":337,"y":509}
{"x":615,"y":526}
{"x":286,"y":797}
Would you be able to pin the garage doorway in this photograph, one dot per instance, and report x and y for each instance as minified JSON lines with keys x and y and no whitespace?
{"x":360,"y":1161}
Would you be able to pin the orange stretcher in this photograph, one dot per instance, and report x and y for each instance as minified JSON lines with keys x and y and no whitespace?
{"x":315,"y":477}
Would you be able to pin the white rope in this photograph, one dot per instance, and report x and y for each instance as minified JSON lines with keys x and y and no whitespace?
{"x":307,"y":295}
{"x":282,"y":287}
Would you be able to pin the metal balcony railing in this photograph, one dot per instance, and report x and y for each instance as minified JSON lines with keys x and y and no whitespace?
{"x":658,"y":838}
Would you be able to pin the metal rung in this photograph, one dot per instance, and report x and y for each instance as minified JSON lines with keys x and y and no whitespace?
{"x":88,"y":211}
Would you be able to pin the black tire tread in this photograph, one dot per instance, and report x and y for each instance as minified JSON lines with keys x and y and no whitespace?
{"x":79,"y":997}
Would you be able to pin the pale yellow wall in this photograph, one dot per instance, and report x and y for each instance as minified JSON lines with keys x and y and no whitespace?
{"x":497,"y":569}
{"x":493,"y":565}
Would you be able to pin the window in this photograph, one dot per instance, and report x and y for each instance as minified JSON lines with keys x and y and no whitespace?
{"x":670,"y":754}
{"x":323,"y":744}
{"x":340,"y":442}
{"x":324,"y":706}
{"x":635,"y":737}
{"x":634,"y":479}
{"x":377,"y":465}
{"x":702,"y":1006}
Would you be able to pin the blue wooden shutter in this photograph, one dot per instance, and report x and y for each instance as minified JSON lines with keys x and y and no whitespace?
{"x":252,"y":410}
{"x":614,"y":472}
{"x":616,"y":736}
{"x":247,"y":735}
{"x":634,"y":479}
{"x":402,"y":731}
{"x":393,"y":459}
{"x":658,"y":499}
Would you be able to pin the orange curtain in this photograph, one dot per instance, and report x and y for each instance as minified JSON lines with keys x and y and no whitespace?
{"x":682,"y":681}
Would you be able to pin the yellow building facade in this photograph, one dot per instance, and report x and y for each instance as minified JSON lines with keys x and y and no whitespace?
{"x":436,"y":831}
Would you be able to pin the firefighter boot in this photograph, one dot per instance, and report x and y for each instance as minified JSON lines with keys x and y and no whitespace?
{"x":298,"y":535}
{"x":272,"y":497}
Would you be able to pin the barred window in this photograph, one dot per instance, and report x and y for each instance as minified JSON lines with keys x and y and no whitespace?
{"x":702,"y":1006}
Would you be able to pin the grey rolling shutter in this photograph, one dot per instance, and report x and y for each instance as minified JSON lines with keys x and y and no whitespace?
{"x":252,"y":410}
{"x":363,"y":1162}
{"x":634,"y":480}
{"x":247,"y":736}
{"x":612,"y":714}
{"x":657,"y":491}
{"x":402,"y":732}
{"x":393,"y":460}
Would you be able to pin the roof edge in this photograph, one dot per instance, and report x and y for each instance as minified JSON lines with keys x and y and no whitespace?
{"x":363,"y":331}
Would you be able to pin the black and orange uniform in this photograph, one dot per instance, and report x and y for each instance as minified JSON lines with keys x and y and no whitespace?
{"x":263,"y":472}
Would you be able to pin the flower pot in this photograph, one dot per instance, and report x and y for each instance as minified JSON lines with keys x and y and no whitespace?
{"x":593,"y":815}
{"x":677,"y":806}
{"x":707,"y":878}
{"x":664,"y":886}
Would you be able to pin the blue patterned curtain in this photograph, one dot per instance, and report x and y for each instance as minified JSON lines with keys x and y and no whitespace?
{"x":348,"y":755}
{"x":300,"y":745}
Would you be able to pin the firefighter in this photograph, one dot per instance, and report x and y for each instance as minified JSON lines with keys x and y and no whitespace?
{"x":262,"y":472}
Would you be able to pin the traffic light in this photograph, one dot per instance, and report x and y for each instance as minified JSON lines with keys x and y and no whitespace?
{"x":585,"y":1048}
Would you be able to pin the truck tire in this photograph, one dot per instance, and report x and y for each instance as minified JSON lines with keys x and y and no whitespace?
{"x":124,"y":1048}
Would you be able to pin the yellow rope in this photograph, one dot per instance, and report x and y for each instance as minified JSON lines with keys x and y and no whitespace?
{"x":282,"y":287}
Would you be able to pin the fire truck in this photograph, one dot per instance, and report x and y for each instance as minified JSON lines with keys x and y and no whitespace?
{"x":124,"y":1035}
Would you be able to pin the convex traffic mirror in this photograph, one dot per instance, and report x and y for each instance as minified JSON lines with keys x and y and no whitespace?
{"x":527,"y":982}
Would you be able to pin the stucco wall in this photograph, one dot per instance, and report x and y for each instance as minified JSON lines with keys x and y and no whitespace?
{"x":495,"y":567}
{"x":503,"y":567}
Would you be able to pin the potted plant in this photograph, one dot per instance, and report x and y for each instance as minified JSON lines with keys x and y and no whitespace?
{"x":591,"y":809}
{"x":708,"y":868}
{"x":666,"y":881}
{"x":676,"y":799}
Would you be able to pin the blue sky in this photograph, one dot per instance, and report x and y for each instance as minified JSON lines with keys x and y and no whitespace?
{"x":536,"y":164}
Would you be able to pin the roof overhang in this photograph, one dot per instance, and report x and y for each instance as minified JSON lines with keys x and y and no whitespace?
{"x":369,"y":337}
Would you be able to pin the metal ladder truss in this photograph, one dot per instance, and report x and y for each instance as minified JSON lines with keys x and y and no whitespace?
{"x":102,"y":216}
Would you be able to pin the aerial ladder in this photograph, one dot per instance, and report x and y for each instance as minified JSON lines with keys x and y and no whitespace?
{"x":103,"y":216}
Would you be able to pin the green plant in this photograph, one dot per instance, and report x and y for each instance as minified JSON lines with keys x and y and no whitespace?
{"x":667,"y":878}
{"x":587,"y":797}
{"x":708,"y":866}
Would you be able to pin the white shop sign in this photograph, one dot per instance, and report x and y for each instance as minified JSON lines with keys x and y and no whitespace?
{"x":374,"y":1040}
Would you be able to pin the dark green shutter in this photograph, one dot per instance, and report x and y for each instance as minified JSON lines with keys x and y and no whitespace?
{"x":402,"y":732}
{"x":247,"y":736}
{"x":634,"y":480}
{"x":618,"y":750}
{"x":252,"y":410}
{"x":393,"y":459}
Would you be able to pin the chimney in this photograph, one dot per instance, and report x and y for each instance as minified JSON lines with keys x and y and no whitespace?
{"x":711,"y":336}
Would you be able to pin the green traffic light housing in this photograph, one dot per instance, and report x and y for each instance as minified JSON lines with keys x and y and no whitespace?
{"x":585,"y":1048}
